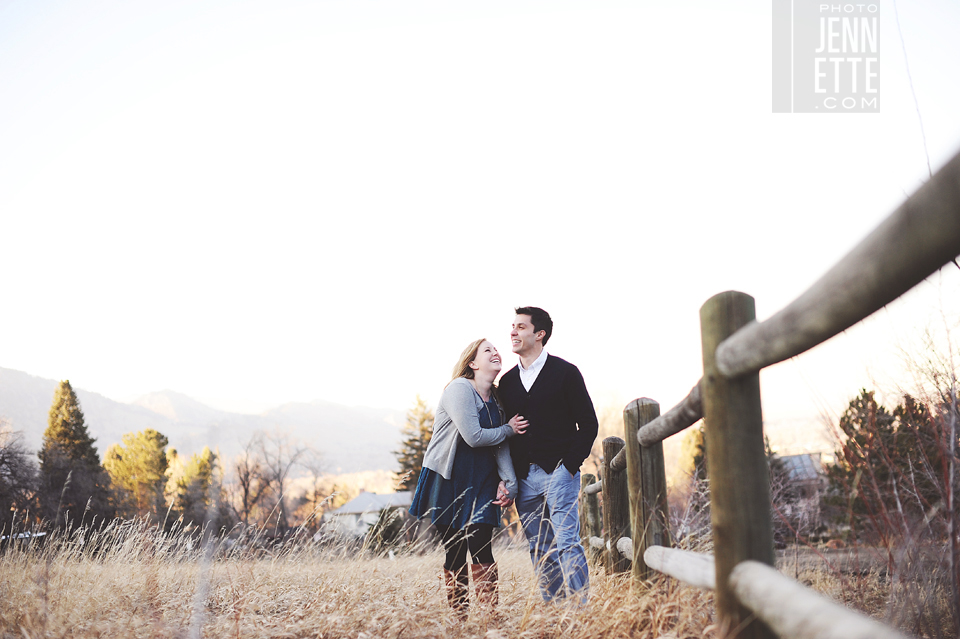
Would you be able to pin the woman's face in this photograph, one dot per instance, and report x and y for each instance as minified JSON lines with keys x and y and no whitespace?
{"x":487,"y":359}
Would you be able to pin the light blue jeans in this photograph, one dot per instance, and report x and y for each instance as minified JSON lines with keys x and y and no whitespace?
{"x":548,"y":504}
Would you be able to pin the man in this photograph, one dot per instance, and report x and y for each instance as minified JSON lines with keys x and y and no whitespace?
{"x":550,"y":394}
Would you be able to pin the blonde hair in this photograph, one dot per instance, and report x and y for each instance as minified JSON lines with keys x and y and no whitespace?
{"x":462,"y":367}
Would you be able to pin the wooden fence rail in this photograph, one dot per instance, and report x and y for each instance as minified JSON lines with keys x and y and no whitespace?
{"x":792,"y":610}
{"x":682,"y":416}
{"x":921,"y":236}
{"x":693,"y":568}
{"x":787,"y":607}
{"x":679,"y":418}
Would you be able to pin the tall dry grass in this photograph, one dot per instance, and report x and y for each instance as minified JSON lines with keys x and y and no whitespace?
{"x":131,"y":581}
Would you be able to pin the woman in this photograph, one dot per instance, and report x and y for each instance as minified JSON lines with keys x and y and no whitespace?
{"x":467,"y":476}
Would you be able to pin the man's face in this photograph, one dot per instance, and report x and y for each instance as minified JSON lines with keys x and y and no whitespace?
{"x":523,"y":341}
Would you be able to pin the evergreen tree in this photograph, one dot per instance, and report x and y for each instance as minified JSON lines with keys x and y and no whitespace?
{"x":194,"y":489}
{"x":867,"y":429}
{"x":416,"y":436}
{"x":923,"y":451}
{"x":72,"y":481}
{"x":891,"y":466}
{"x":137,"y":471}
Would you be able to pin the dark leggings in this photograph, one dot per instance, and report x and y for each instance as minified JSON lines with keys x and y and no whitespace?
{"x":477,"y":538}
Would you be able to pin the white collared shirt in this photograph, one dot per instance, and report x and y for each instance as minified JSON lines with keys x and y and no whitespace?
{"x":529,"y":375}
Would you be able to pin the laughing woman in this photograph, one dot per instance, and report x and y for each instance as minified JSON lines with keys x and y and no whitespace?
{"x":468,"y":475}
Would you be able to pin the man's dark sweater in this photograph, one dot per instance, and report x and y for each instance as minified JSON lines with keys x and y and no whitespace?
{"x":563,"y":423}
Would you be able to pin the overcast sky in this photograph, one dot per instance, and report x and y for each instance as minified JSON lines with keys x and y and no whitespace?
{"x":260,"y":202}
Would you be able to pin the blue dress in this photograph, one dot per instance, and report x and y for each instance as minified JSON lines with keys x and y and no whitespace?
{"x":465,"y":498}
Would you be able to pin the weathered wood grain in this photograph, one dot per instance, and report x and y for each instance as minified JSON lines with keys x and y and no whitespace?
{"x":594,"y":488}
{"x":692,"y":568}
{"x":795,"y":612}
{"x":647,"y":480}
{"x":736,"y":463}
{"x":682,"y":416}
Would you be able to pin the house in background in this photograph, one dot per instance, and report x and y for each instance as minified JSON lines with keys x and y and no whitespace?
{"x":355,"y":517}
{"x":805,"y":474}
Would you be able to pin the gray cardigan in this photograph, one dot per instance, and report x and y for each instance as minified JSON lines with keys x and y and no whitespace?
{"x":459,"y":412}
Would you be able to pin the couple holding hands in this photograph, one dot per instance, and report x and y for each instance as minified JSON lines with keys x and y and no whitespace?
{"x":478,"y":462}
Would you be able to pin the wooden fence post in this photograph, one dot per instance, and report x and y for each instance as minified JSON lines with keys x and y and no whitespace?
{"x":590,"y":523}
{"x":616,"y":507}
{"x":647,"y":479}
{"x":736,"y":463}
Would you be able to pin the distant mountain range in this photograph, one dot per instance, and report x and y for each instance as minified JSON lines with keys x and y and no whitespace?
{"x":349,"y":439}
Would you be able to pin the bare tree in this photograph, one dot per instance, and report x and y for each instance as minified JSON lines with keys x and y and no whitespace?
{"x":251,"y":482}
{"x":262,"y":477}
{"x":318,"y":494}
{"x":280,"y":454}
{"x":18,"y":479}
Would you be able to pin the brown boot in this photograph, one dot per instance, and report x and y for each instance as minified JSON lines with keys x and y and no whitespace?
{"x":485,"y":583}
{"x":458,"y":590}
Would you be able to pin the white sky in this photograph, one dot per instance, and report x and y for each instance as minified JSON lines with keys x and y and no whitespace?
{"x":260,"y":202}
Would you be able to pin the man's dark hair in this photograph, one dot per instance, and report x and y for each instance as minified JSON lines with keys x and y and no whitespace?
{"x":540,"y":319}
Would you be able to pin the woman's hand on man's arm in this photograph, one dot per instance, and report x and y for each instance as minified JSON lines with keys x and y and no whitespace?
{"x":518,"y":424}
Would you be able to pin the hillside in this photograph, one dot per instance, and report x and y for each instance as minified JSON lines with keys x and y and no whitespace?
{"x":350,"y":439}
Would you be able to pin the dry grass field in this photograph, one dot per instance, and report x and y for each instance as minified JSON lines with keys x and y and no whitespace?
{"x":131,"y":583}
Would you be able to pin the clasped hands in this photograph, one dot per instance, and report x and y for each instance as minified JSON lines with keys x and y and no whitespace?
{"x":502,"y":500}
{"x":519,"y":426}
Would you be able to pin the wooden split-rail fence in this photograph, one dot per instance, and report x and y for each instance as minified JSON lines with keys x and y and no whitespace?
{"x":752,"y":597}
